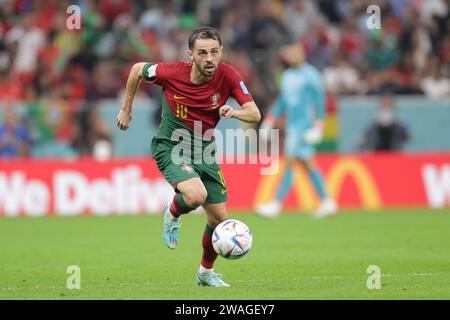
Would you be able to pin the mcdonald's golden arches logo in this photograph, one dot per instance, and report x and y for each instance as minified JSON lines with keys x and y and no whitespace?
{"x":336,"y":175}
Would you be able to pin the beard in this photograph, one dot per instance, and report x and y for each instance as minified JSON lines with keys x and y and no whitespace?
{"x":207,"y":70}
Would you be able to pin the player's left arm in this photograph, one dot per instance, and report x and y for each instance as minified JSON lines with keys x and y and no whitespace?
{"x":249,"y":112}
{"x":315,"y":134}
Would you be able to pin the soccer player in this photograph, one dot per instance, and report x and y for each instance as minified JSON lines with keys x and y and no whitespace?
{"x":302,"y":98}
{"x":194,"y":92}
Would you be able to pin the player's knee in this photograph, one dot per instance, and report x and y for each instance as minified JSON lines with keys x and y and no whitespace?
{"x":214,"y":221}
{"x":290,"y":162}
{"x":197,"y":197}
{"x":307,"y":164}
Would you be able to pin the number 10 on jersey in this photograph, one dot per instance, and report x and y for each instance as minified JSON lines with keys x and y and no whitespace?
{"x":182,"y":111}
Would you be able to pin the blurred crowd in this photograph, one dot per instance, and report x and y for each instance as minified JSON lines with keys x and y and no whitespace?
{"x":59,"y":74}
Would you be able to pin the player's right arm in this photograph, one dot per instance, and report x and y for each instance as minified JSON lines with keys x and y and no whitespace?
{"x":275,"y":112}
{"x":269,"y":120}
{"x":134,"y":79}
{"x":314,"y":135}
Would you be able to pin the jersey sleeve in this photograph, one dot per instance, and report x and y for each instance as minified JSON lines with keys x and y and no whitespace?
{"x":318,"y":93}
{"x":278,"y":107}
{"x":238,"y":89}
{"x":155,"y":73}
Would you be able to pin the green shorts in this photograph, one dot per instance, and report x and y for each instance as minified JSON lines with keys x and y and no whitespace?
{"x":210,"y":174}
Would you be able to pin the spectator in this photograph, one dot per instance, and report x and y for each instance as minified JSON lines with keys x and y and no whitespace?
{"x":94,"y":136}
{"x":374,"y":82}
{"x":421,"y":48}
{"x":14,"y":135}
{"x":299,"y":16}
{"x":29,"y":40}
{"x":39,"y":54}
{"x":319,"y":44}
{"x":381,"y":53}
{"x":353,"y":42}
{"x":100,"y":138}
{"x":386,"y":133}
{"x":8,"y":90}
{"x":436,"y":86}
{"x":431,"y":8}
{"x":111,"y":9}
{"x":266,"y":34}
{"x":104,"y":82}
{"x":162,"y":19}
{"x":403,"y":76}
{"x":341,"y":77}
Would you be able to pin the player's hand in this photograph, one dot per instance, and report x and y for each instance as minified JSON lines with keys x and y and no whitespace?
{"x":313,"y":135}
{"x":226,"y":111}
{"x":123,"y":119}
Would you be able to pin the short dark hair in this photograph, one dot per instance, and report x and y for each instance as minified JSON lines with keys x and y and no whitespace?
{"x":203,"y":32}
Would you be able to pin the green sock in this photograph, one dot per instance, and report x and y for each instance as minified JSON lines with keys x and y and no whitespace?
{"x":208,"y":230}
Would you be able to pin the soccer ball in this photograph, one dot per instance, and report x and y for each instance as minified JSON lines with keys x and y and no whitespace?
{"x":232,"y":239}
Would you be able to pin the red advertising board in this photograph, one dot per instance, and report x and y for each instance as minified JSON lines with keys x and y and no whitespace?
{"x":135,"y":186}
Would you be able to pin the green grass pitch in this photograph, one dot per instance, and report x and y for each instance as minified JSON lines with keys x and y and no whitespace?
{"x":293,"y":257}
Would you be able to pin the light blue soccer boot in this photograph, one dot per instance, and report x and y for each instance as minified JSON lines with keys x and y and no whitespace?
{"x":170,"y":228}
{"x":211,"y":279}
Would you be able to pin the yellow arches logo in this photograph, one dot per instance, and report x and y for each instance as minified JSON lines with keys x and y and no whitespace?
{"x":305,"y":193}
{"x":370,"y":197}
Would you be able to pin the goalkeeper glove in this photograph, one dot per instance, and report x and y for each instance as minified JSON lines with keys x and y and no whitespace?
{"x":314,"y":135}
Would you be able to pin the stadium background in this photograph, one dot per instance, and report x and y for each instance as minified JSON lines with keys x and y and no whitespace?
{"x":61,"y":90}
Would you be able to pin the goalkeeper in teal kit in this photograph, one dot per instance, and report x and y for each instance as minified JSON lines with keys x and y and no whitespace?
{"x":302,"y":99}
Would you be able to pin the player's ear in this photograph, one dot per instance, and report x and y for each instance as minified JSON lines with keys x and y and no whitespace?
{"x":190,"y":55}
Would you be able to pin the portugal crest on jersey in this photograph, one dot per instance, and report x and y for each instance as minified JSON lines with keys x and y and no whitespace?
{"x":215,"y":99}
{"x":187,"y":168}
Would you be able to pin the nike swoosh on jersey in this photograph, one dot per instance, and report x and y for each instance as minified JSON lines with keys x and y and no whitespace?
{"x":177,"y":97}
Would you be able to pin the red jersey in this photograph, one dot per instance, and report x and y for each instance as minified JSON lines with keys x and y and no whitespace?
{"x":189,"y":102}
